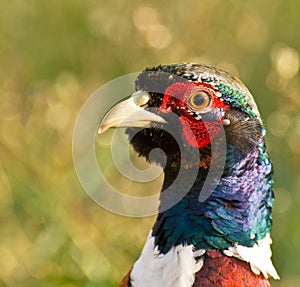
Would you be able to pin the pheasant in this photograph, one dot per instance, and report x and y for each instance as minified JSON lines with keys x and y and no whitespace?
{"x":222,"y":239}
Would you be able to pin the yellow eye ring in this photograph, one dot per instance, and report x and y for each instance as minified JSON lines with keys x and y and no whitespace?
{"x":199,"y":99}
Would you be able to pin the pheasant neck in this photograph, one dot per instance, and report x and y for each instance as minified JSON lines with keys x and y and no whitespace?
{"x":238,"y":209}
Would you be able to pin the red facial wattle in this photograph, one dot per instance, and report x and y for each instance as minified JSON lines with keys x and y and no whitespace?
{"x":198,"y":132}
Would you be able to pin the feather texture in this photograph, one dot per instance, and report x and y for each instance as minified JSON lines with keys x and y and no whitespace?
{"x":175,"y":268}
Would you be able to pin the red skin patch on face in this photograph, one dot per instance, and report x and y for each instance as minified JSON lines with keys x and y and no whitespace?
{"x":198,"y":133}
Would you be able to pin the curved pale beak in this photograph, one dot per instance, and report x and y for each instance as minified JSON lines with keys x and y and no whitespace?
{"x":130,"y":113}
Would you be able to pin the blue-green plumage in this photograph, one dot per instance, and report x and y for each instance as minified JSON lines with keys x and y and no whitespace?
{"x":239,"y":210}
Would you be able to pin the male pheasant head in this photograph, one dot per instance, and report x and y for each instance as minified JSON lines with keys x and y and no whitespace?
{"x":197,"y":107}
{"x":204,"y":99}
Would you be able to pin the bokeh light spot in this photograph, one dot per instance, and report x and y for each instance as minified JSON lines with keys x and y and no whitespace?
{"x":158,"y":36}
{"x":278,"y":123}
{"x":286,"y":61}
{"x":144,"y":17}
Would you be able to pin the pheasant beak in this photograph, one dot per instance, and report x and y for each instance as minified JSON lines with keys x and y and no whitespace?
{"x":130,"y":113}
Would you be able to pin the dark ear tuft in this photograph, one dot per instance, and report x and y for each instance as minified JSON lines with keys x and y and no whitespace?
{"x":156,"y":81}
{"x":243,"y":132}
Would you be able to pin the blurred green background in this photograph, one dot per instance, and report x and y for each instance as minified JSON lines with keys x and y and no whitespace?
{"x":54,"y":54}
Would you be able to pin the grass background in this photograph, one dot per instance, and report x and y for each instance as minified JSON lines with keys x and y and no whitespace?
{"x":54,"y":54}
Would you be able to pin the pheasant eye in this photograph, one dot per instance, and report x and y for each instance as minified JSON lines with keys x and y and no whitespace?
{"x":199,"y":99}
